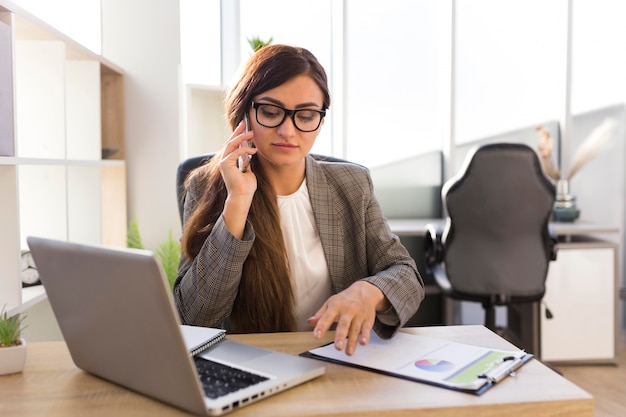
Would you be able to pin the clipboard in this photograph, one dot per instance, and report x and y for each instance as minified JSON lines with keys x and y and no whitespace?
{"x":457,"y":366}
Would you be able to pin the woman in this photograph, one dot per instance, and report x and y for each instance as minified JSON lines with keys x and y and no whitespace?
{"x":289,"y":243}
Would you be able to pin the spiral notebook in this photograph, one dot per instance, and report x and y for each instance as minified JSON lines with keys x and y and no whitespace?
{"x":198,"y":339}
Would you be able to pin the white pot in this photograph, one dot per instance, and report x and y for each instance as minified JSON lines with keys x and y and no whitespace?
{"x":13,"y":359}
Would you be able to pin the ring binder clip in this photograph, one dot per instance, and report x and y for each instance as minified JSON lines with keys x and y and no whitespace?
{"x":505,"y":367}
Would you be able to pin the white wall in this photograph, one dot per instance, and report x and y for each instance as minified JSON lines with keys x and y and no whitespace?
{"x":143,"y":37}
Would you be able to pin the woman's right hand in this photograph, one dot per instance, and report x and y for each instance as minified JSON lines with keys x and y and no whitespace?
{"x":240,"y":186}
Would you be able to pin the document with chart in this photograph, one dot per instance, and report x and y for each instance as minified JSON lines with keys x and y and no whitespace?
{"x":452,"y":365}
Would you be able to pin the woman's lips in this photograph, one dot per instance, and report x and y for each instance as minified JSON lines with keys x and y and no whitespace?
{"x":285,"y":145}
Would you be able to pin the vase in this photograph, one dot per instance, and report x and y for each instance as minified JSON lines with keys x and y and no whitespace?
{"x":13,"y":359}
{"x":565,"y":209}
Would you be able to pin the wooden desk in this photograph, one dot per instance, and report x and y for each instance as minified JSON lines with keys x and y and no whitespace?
{"x":52,"y":386}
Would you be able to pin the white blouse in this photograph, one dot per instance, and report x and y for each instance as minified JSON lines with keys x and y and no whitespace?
{"x":307,"y":263}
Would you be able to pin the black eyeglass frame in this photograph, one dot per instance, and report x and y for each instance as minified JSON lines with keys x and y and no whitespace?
{"x":287,"y":113}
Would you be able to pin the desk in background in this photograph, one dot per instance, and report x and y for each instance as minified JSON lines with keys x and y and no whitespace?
{"x":51,"y":385}
{"x":581,"y":294}
{"x":564,"y":231}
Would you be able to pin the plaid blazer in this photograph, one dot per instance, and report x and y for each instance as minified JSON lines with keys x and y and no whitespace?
{"x":356,"y":239}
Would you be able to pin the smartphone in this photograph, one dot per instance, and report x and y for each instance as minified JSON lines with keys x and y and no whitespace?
{"x":244,"y":160}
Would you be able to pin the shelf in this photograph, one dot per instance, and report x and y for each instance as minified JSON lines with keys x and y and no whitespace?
{"x":62,"y":146}
{"x":29,"y":27}
{"x":207,"y":128}
{"x":10,"y":283}
{"x":11,"y":160}
{"x":100,"y":102}
{"x":30,"y":297}
{"x":6,"y":87}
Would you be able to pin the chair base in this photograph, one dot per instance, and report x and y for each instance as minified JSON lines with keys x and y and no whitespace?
{"x":522,"y":322}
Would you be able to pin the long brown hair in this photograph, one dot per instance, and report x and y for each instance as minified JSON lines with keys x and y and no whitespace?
{"x":264,"y":300}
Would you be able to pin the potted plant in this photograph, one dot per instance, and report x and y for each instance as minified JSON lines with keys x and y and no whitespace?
{"x":12,"y":344}
{"x":168,"y":252}
{"x":257,"y":43}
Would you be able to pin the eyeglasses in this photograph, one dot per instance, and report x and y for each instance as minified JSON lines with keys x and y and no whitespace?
{"x":271,"y":115}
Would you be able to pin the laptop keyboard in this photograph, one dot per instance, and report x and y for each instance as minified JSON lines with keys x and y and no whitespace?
{"x":219,"y":379}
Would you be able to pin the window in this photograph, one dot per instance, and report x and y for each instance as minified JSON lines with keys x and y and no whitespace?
{"x":598,"y":65}
{"x":510,"y":65}
{"x":200,"y":38}
{"x":395,"y":74}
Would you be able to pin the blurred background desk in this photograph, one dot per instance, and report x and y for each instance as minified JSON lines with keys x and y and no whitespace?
{"x":417,"y":227}
{"x":578,"y":319}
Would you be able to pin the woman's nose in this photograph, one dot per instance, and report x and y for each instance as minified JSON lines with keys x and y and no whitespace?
{"x":287,"y":128}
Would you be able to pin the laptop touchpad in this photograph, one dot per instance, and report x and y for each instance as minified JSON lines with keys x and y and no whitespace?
{"x":231,"y":351}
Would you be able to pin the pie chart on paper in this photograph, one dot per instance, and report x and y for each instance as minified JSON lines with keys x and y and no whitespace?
{"x":434,"y":365}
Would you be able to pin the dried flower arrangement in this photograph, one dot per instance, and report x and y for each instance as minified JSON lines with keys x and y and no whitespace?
{"x":599,"y":140}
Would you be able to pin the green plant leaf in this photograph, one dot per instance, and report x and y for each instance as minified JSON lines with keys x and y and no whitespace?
{"x":169,"y":256}
{"x":10,"y":328}
{"x":257,"y":43}
{"x":133,"y":237}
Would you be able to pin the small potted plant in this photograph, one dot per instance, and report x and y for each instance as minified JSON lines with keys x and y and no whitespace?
{"x":12,"y":344}
{"x":257,"y":43}
{"x":168,"y":252}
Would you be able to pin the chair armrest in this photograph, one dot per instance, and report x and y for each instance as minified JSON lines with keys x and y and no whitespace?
{"x":441,"y":278}
{"x":553,"y":243}
{"x":433,"y":249}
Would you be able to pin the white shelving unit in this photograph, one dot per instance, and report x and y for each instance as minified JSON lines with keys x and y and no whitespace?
{"x":62,"y":168}
{"x":207,"y":128}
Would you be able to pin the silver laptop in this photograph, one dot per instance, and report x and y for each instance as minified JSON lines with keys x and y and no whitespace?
{"x":117,"y":316}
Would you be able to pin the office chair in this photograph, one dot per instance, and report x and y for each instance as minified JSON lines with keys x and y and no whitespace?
{"x":495,"y":247}
{"x":188,"y":165}
{"x":182,"y":172}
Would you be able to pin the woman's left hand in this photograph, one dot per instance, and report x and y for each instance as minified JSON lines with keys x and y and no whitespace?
{"x":354,"y":310}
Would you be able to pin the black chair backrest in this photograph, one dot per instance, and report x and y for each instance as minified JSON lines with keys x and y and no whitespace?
{"x":188,"y":165}
{"x":182,"y":172}
{"x":497,"y":239}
